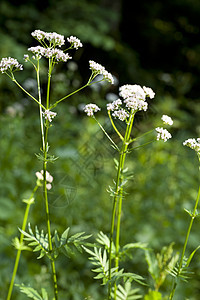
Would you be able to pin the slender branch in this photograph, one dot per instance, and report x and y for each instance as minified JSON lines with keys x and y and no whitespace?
{"x":40,"y":101}
{"x":67,"y":96}
{"x":106,"y":134}
{"x":15,"y":81}
{"x":115,"y":128}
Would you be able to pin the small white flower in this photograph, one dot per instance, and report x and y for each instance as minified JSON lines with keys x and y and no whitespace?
{"x":99,"y":69}
{"x":90,"y":109}
{"x":76,"y":43}
{"x":163,"y":134}
{"x":114,"y":105}
{"x":121,"y":114}
{"x":135,"y":91}
{"x":39,"y":175}
{"x":38,"y":34}
{"x":193,"y":144}
{"x":49,"y":114}
{"x":10,"y":64}
{"x":49,"y":178}
{"x":54,"y":38}
{"x":167,"y":120}
{"x":149,"y":92}
{"x":136,"y":104}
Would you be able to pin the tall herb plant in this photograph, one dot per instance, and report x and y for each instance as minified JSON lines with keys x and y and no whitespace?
{"x":48,"y":244}
{"x":134,"y":99}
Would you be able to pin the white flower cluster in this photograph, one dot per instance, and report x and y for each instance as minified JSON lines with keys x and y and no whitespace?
{"x":99,"y":69}
{"x":121,"y":114}
{"x":134,"y":97}
{"x":10,"y":64}
{"x":39,"y":51}
{"x":53,"y":38}
{"x":47,"y":114}
{"x":114,"y":105}
{"x":163,"y":134}
{"x":49,"y":178}
{"x":76,"y":43}
{"x":193,"y":144}
{"x":90,"y":109}
{"x":167,"y":120}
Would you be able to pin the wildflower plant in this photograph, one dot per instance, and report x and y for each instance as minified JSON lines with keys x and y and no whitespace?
{"x":181,"y":271}
{"x":49,"y":48}
{"x":106,"y":253}
{"x":133,"y":99}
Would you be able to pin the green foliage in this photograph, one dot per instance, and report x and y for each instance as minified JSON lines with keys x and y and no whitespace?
{"x":126,"y":292}
{"x":39,"y":242}
{"x":32,"y":293}
{"x":99,"y":259}
{"x":159,"y":265}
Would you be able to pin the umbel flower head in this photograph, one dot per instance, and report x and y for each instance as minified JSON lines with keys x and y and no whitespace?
{"x":49,"y":42}
{"x":98,"y":69}
{"x":53,"y":38}
{"x":193,"y":144}
{"x":134,"y":99}
{"x":10,"y":64}
{"x":163,"y":134}
{"x":167,"y":120}
{"x":90,"y":109}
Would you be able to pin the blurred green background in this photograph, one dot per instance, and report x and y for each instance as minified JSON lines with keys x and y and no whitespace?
{"x":152,"y":43}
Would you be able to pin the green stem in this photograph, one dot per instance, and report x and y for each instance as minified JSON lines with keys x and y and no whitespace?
{"x":106,"y":134}
{"x":71,"y":94}
{"x":48,"y":214}
{"x":193,"y":216}
{"x":15,"y":81}
{"x":67,"y":96}
{"x":118,"y":197}
{"x":40,"y":101}
{"x":113,"y":124}
{"x":29,"y":202}
{"x":45,"y":186}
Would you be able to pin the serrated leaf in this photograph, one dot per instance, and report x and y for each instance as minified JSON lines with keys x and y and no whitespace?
{"x":30,"y":292}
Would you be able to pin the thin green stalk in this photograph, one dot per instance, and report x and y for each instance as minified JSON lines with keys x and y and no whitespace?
{"x":45,"y":185}
{"x":118,"y":197}
{"x":67,"y":96}
{"x":113,"y":124}
{"x":48,"y":214}
{"x":193,"y":216}
{"x":29,"y":202}
{"x":74,"y":92}
{"x":40,"y":101}
{"x":15,"y":81}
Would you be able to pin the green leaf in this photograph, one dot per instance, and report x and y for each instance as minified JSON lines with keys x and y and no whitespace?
{"x":38,"y":241}
{"x":30,"y":292}
{"x":126,"y":292}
